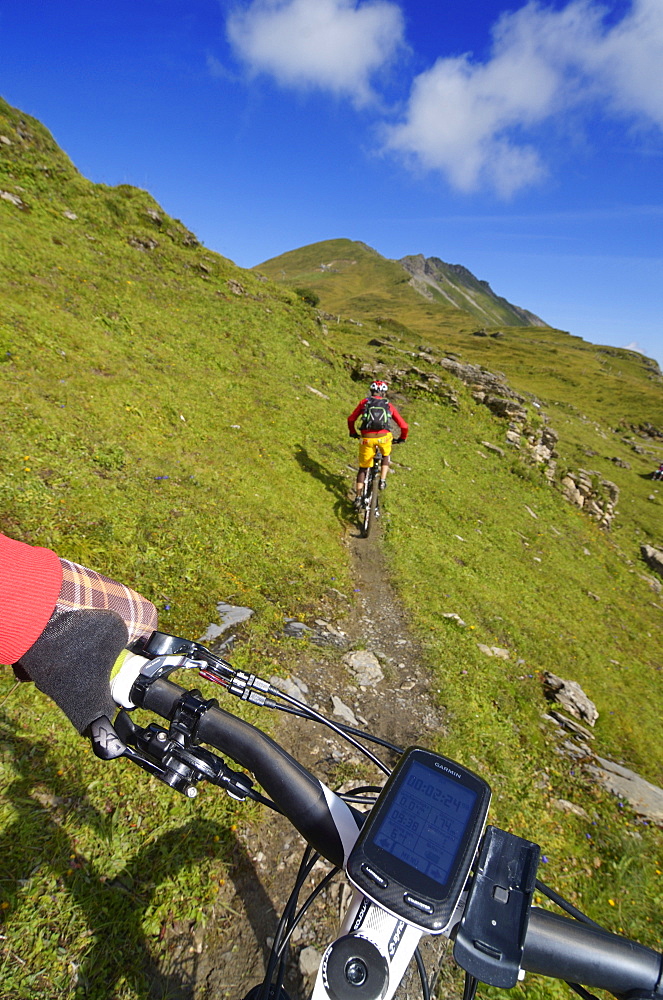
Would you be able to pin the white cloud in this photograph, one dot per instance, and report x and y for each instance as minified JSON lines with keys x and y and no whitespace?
{"x":470,"y":120}
{"x":630,"y":62}
{"x":336,"y":45}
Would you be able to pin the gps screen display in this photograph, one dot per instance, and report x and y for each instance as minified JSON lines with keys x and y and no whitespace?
{"x":425,"y":824}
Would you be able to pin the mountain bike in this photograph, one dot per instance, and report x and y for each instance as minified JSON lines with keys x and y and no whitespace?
{"x":486,"y":893}
{"x":370,"y":494}
{"x":370,"y":502}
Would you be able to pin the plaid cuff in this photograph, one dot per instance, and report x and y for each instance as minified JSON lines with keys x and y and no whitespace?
{"x":85,"y":588}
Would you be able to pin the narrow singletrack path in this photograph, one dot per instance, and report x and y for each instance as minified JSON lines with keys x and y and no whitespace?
{"x":227,"y":958}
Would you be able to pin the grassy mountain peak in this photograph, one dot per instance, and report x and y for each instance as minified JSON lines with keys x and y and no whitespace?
{"x":326,"y":267}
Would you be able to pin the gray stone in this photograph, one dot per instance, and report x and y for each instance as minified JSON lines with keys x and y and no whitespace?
{"x":571,"y":696}
{"x":645,"y":799}
{"x":569,"y":807}
{"x":13,"y":198}
{"x":653,"y":557}
{"x":316,"y":392}
{"x":291,"y":686}
{"x":364,"y":667}
{"x":452,"y":616}
{"x":329,"y":635}
{"x":296,"y":630}
{"x":502,"y":654}
{"x":652,"y":583}
{"x":493,"y":447}
{"x":309,"y":961}
{"x":340,"y":709}
{"x":572,"y":725}
{"x":229,"y":615}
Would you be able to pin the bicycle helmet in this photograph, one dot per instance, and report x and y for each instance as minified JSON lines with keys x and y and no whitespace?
{"x":379,"y":387}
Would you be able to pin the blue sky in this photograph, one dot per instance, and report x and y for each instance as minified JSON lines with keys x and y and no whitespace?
{"x":523,"y":140}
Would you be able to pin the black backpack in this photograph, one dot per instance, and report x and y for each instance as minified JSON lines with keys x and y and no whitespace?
{"x":376,"y":414}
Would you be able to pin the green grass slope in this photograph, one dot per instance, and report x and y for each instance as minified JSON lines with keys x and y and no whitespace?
{"x":179,"y":423}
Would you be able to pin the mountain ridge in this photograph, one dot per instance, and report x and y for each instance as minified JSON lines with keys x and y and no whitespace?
{"x":454,"y":281}
{"x":450,"y":285}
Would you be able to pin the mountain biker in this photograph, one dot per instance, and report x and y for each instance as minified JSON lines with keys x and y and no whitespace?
{"x":375,"y":412}
{"x":66,"y":627}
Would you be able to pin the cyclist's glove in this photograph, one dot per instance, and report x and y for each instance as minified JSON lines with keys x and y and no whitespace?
{"x":355,"y":435}
{"x":94,"y":620}
{"x":72,"y":659}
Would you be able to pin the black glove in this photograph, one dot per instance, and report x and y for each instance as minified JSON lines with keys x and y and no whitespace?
{"x":71,"y":662}
{"x":400,"y":441}
{"x":355,"y":435}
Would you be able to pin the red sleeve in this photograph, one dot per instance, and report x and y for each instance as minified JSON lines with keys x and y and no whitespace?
{"x":399,"y":420}
{"x":354,"y":416}
{"x":30,"y":581}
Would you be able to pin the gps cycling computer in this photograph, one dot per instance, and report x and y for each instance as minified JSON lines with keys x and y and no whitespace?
{"x":416,"y":847}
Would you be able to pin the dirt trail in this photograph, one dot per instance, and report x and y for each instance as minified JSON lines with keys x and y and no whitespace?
{"x":230,"y":956}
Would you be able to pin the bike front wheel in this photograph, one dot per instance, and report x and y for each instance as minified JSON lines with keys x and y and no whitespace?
{"x":370,"y":501}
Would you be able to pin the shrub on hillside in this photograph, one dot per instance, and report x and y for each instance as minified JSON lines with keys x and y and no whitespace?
{"x":310,"y":297}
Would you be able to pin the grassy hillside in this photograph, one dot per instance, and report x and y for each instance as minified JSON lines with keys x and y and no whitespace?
{"x":178,"y":423}
{"x":604,"y":383}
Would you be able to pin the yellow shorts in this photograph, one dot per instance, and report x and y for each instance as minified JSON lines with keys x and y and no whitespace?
{"x":369,"y":445}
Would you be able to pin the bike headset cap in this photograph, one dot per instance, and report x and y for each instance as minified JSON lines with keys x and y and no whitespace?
{"x":379,"y":387}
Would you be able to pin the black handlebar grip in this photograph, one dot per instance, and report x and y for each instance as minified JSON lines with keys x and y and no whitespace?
{"x":582,"y":953}
{"x":322,"y":818}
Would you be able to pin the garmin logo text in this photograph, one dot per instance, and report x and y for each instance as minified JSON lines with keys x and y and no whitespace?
{"x":449,"y":770}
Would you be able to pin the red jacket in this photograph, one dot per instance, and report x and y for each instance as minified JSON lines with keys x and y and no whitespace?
{"x":357,"y":412}
{"x":30,"y":581}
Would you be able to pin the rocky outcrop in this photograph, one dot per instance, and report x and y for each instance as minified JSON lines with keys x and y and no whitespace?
{"x":571,"y":697}
{"x":595,"y":495}
{"x":653,"y":557}
{"x":645,"y":799}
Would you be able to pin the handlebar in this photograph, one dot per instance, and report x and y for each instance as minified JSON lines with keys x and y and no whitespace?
{"x":323,"y":819}
{"x":552,"y":945}
{"x":567,"y":949}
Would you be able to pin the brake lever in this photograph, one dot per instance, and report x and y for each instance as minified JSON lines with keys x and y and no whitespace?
{"x":163,"y":647}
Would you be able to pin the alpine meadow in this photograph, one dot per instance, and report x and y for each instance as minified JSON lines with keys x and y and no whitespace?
{"x":179,"y":424}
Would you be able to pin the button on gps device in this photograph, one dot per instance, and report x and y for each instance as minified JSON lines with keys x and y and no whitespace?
{"x":416,"y":847}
